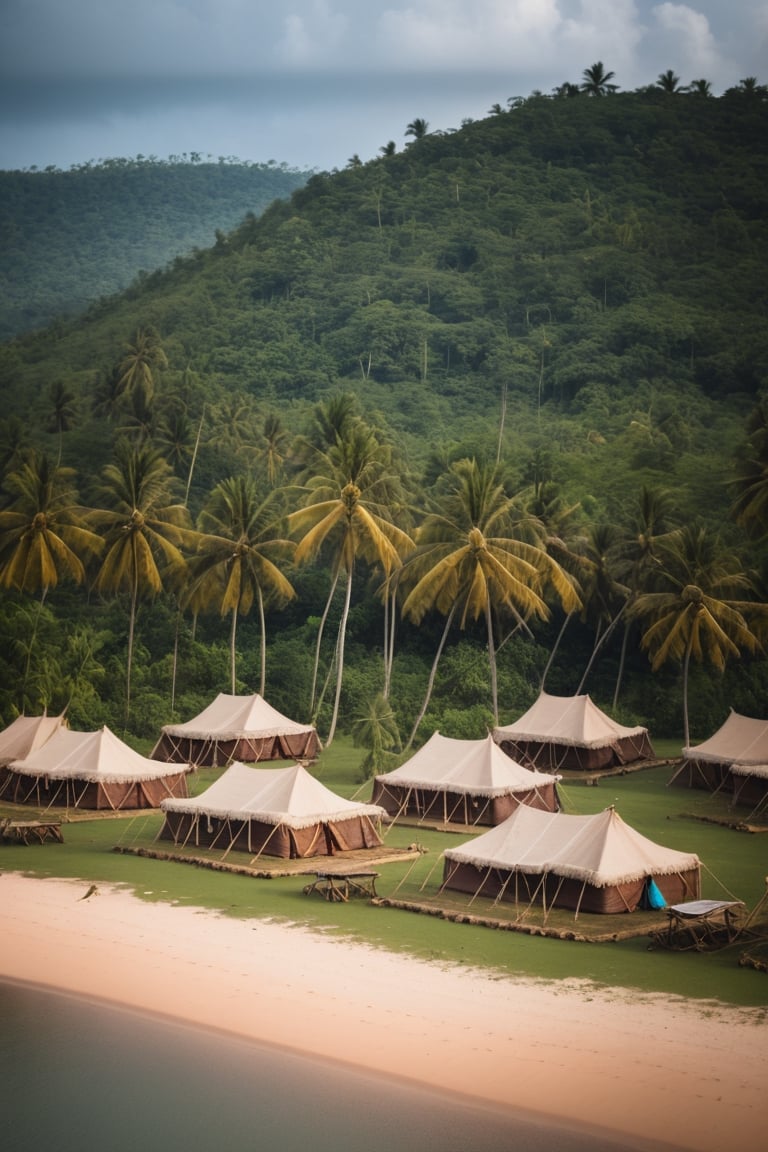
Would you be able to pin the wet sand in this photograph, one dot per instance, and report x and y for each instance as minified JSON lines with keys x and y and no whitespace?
{"x":649,"y":1068}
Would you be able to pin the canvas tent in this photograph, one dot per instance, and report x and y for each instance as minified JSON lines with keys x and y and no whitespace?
{"x":25,"y":735}
{"x":462,"y":782}
{"x":281,"y":812}
{"x":585,"y":863}
{"x":734,"y":759}
{"x":93,"y":770}
{"x":242,"y":728}
{"x":571,"y":732}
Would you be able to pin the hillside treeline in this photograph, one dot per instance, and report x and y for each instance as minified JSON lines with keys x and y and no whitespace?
{"x":498,"y":398}
{"x":69,"y":237}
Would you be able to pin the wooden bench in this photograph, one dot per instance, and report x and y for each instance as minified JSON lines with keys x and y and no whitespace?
{"x":31,"y":831}
{"x":342,"y":886}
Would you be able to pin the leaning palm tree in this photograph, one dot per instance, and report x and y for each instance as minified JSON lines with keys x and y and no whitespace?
{"x":705,"y":607}
{"x":477,"y":555}
{"x":144,"y":529}
{"x":43,"y":534}
{"x":347,"y":512}
{"x":597,"y":82}
{"x":235,"y":562}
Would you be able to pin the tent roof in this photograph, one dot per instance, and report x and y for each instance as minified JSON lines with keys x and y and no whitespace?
{"x":571,"y":720}
{"x":741,"y":739}
{"x":475,"y":767}
{"x":98,"y":757}
{"x":288,"y":796}
{"x":237,"y":717}
{"x":25,"y":734}
{"x":600,"y":850}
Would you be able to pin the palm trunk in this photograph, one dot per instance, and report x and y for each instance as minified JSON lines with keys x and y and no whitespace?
{"x":323,"y":619}
{"x":390,"y":616}
{"x":555,"y":647}
{"x":232,"y":635}
{"x":194,"y":457}
{"x":263,"y":626}
{"x":432,"y":675}
{"x":599,"y":641}
{"x":30,"y":646}
{"x":340,"y":669}
{"x":131,"y":629}
{"x":492,"y":661}
{"x":622,"y":660}
{"x":686,"y":664}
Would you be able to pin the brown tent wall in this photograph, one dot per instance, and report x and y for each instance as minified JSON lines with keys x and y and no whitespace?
{"x":71,"y":792}
{"x":323,"y":838}
{"x":709,"y":775}
{"x":245,"y":750}
{"x":565,"y":892}
{"x":459,"y":807}
{"x":548,"y":756}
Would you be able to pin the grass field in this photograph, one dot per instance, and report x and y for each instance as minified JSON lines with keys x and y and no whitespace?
{"x":735,"y":866}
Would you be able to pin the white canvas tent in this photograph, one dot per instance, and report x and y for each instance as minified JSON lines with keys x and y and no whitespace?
{"x":282,"y":812}
{"x":25,"y":735}
{"x":462,"y":782}
{"x":90,"y":770}
{"x":242,"y":728}
{"x":586,"y":863}
{"x":734,"y":759}
{"x":571,"y":732}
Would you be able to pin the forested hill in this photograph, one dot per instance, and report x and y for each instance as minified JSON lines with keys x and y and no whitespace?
{"x":565,"y":302}
{"x":69,"y":237}
{"x":597,"y":266}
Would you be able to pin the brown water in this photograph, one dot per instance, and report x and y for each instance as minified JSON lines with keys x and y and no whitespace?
{"x":76,"y":1076}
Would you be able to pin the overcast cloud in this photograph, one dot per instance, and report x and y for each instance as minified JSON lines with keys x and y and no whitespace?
{"x":312,"y":82}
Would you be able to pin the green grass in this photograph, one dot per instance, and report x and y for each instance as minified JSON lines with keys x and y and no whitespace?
{"x":734,"y":866}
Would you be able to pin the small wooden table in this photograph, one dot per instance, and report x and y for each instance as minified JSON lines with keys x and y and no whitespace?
{"x":702,"y":924}
{"x":342,"y":886}
{"x":31,"y":831}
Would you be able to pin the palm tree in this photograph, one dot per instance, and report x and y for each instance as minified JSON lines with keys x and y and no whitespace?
{"x":750,"y":505}
{"x":375,"y":729}
{"x":596,"y":81}
{"x":274,"y":447}
{"x":234,"y":566}
{"x":700,"y":87}
{"x":144,"y":529}
{"x":478,"y":555}
{"x":669,"y":82}
{"x":43,"y":534}
{"x":605,"y":597}
{"x":388,"y":149}
{"x":63,"y":412}
{"x":704,"y":607}
{"x":347,"y":510}
{"x":636,"y":556}
{"x":144,"y":355}
{"x":417,"y":128}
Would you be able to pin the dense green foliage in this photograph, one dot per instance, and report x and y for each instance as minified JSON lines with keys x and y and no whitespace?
{"x":68,"y":238}
{"x":571,"y":290}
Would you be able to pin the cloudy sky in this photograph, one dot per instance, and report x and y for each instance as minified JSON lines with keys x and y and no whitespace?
{"x":312,"y":82}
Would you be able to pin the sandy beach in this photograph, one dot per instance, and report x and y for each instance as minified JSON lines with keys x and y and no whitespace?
{"x":650,"y":1068}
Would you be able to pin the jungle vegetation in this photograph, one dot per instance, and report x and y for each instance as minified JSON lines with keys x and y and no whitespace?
{"x":475,"y":417}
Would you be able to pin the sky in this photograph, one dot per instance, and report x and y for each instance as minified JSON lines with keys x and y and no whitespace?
{"x":312,"y":83}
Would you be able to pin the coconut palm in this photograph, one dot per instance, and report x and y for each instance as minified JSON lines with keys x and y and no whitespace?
{"x":597,"y":82}
{"x":478,"y":555}
{"x":750,"y":505}
{"x":235,"y":562}
{"x":274,"y":447}
{"x":375,"y":729}
{"x":700,"y":87}
{"x":144,"y":356}
{"x":347,"y":511}
{"x":417,"y":128}
{"x":62,"y":412}
{"x":704,"y":607}
{"x":43,"y":534}
{"x":669,"y":82}
{"x":144,"y":529}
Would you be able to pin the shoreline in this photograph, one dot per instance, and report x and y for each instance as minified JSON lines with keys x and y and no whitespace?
{"x":645,"y":1069}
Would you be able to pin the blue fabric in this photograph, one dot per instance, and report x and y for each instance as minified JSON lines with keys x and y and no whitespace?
{"x":653,"y":894}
